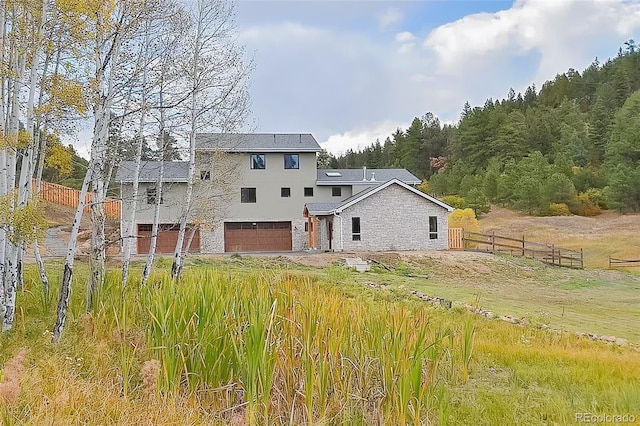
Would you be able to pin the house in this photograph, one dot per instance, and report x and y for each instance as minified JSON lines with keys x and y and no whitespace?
{"x":263,"y":192}
{"x":390,"y":216}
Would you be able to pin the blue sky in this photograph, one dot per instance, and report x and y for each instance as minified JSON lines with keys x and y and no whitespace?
{"x":352,"y":71}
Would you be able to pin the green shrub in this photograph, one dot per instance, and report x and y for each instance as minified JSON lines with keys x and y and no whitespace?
{"x":454,"y":201}
{"x":559,"y":209}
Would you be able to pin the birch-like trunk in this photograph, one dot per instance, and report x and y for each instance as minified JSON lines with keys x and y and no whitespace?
{"x":67,"y":275}
{"x":28,"y":163}
{"x":12,"y":247}
{"x":103,"y":95}
{"x":178,"y":256}
{"x":98,"y":190}
{"x":159,"y":187}
{"x":130,"y":231}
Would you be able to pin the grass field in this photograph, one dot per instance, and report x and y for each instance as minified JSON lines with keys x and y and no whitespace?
{"x":247,"y":340}
{"x":609,"y":234}
{"x":302,"y":340}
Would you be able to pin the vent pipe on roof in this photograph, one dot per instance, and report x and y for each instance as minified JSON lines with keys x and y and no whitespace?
{"x":364,"y":172}
{"x":373,"y":176}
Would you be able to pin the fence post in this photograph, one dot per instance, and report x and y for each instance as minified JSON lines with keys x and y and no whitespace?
{"x":522,"y":245}
{"x":559,"y":258}
{"x":581,"y":258}
{"x":553,"y":254}
{"x":493,"y":241}
{"x":609,"y":261}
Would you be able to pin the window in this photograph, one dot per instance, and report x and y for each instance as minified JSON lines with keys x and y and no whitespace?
{"x":433,"y":227}
{"x":247,"y":195}
{"x":308,"y":192}
{"x":355,"y":228}
{"x":258,"y":162}
{"x":152,"y":194}
{"x":205,"y":175}
{"x":291,"y":161}
{"x":306,"y":227}
{"x":285,"y":192}
{"x":336,"y":191}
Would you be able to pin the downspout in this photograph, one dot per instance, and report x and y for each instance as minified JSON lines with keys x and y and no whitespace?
{"x":337,"y":214}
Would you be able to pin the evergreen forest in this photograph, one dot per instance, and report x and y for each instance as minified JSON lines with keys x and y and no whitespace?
{"x":573,"y":146}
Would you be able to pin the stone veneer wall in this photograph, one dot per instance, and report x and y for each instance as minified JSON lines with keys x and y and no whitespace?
{"x":393,"y":219}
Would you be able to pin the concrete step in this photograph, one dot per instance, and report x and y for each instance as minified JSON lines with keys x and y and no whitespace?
{"x":357,"y":264}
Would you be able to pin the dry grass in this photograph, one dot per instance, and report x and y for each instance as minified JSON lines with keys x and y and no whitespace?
{"x":514,"y":375}
{"x":610,"y":234}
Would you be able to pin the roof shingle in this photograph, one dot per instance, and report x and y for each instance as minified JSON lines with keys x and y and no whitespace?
{"x":174,"y":171}
{"x":357,"y":176}
{"x":257,"y":142}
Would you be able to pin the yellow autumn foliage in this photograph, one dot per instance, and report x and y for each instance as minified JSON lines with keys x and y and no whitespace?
{"x":18,"y":140}
{"x":464,"y":218}
{"x":59,"y":157}
{"x":24,"y":224}
{"x":64,"y":95}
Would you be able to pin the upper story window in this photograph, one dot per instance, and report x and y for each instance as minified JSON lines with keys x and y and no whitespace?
{"x":258,"y":162}
{"x":247,"y":195}
{"x":336,"y":191}
{"x":308,"y":191}
{"x":152,"y":195}
{"x":205,"y":175}
{"x":291,"y":161}
{"x":285,"y":192}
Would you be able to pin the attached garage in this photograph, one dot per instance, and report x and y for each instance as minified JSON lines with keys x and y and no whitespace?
{"x":167,"y":238}
{"x":257,"y":236}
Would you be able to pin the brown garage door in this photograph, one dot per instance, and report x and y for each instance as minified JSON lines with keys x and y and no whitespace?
{"x":257,"y":236}
{"x":167,"y":238}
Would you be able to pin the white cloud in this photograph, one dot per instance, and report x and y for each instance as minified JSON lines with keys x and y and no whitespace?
{"x":349,"y":87}
{"x":389,"y":17}
{"x":561,"y":32}
{"x":405,"y":36}
{"x":360,"y":138}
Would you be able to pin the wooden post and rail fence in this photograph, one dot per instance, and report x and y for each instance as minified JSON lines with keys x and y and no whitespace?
{"x":623,"y":263}
{"x":460,"y":239}
{"x":63,"y":195}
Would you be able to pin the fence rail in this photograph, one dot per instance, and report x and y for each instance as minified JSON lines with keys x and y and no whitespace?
{"x":492,"y":243}
{"x":63,"y":195}
{"x":623,"y":263}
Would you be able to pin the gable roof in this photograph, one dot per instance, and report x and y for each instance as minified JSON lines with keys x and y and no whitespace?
{"x":174,"y":171}
{"x":355,"y":176}
{"x":323,"y":209}
{"x":257,"y":142}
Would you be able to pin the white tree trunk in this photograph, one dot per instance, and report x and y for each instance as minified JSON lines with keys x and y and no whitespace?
{"x":67,"y":275}
{"x":130,"y":231}
{"x":12,"y":247}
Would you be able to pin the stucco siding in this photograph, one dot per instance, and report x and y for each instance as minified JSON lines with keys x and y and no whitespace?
{"x":324,"y":194}
{"x":392,"y":219}
{"x":267,"y":182}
